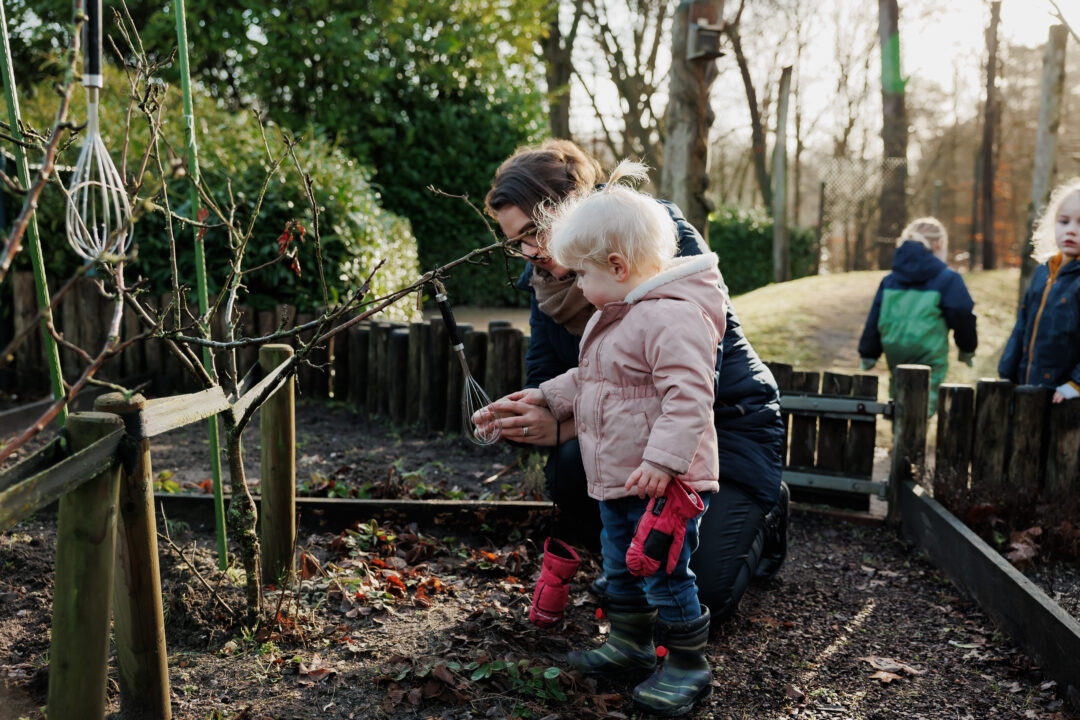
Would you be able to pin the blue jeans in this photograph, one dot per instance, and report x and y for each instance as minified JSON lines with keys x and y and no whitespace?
{"x":674,"y":595}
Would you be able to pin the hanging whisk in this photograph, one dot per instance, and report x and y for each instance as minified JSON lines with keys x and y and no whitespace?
{"x":474,"y":401}
{"x":98,"y":212}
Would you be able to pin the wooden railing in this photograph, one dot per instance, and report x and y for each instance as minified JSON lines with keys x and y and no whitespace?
{"x":98,"y":467}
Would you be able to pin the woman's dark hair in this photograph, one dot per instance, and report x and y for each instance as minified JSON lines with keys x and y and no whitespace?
{"x":534,"y":174}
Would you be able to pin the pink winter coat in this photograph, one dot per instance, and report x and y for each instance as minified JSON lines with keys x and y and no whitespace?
{"x":643,"y":388}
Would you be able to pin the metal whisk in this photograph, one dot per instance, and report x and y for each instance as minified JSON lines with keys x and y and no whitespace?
{"x":98,"y":216}
{"x":473,"y":398}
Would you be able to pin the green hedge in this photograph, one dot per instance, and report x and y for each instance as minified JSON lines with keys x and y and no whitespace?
{"x":743,"y":241}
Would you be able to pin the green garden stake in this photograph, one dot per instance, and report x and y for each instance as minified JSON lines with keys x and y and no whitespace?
{"x":200,"y":268}
{"x":33,"y":242}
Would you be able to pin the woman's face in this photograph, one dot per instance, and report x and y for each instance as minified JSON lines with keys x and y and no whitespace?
{"x":1067,"y":226}
{"x":520,"y":229}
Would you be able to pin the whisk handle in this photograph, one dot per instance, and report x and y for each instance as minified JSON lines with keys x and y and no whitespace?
{"x":448,"y":318}
{"x":92,"y":44}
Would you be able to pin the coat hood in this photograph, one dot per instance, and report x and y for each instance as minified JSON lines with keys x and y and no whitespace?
{"x":695,"y":278}
{"x":914,"y":263}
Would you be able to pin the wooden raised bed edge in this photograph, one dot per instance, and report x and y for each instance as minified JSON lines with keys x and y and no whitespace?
{"x":1014,"y":603}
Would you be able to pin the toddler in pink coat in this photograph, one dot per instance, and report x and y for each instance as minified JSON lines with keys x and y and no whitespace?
{"x":642,"y":396}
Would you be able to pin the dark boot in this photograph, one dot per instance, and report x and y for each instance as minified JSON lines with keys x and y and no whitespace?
{"x":685,"y":676}
{"x":599,"y":587}
{"x":629,"y":647}
{"x":774,"y":549}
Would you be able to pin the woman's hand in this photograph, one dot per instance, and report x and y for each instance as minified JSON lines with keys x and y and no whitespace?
{"x":648,"y":480}
{"x":523,"y":417}
{"x":1058,"y":397}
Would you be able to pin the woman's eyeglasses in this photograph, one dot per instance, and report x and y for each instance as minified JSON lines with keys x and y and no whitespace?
{"x":527,"y":245}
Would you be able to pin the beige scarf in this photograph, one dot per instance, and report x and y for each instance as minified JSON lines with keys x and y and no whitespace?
{"x":562,"y":300}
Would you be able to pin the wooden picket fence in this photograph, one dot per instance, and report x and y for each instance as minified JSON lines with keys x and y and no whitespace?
{"x":99,"y":468}
{"x":1004,"y":440}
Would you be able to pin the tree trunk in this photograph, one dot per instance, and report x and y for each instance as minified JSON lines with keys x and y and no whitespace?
{"x":557,"y":57}
{"x":757,"y":132}
{"x":894,"y":134}
{"x":1053,"y":84}
{"x":781,"y":241}
{"x":242,"y":518}
{"x":989,"y":121}
{"x":687,"y":122}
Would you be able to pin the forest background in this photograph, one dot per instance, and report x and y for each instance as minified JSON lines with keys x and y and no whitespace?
{"x":395,"y":96}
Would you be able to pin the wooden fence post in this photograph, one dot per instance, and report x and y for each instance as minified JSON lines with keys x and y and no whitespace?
{"x":1031,"y":408}
{"x":783,"y":375}
{"x":138,"y":620}
{"x":277,"y":431}
{"x":1063,"y":453}
{"x":490,"y":379}
{"x":412,"y":387}
{"x":956,"y":426}
{"x":992,"y":399}
{"x":82,"y":595}
{"x":504,"y":360}
{"x":912,"y":383}
{"x":371,"y":393}
{"x":339,"y":352}
{"x":306,"y":374}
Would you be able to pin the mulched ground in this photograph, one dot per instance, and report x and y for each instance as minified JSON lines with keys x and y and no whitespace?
{"x":407,"y":622}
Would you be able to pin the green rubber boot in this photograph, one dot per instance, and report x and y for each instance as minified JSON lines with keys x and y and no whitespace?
{"x":629,"y":648}
{"x":685,"y":676}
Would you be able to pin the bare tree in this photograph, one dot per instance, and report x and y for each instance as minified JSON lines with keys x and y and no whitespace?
{"x":894,"y":134}
{"x":558,"y":49}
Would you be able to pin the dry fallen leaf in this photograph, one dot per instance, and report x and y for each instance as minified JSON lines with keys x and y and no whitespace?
{"x":891,"y":666}
{"x":791,"y":692}
{"x":885,"y":677}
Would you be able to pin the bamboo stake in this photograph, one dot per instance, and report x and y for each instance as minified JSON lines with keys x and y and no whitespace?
{"x":33,"y":241}
{"x":82,"y":597}
{"x":200,"y":268}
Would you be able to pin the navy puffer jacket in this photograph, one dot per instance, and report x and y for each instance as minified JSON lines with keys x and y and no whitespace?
{"x":749,"y":429}
{"x":1044,"y":348}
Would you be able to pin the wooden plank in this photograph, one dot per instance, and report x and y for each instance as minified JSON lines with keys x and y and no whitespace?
{"x":783,"y":374}
{"x":506,"y":348}
{"x":956,"y":426}
{"x":397,"y":359}
{"x":28,"y":358}
{"x":912,"y":383}
{"x":490,"y":378}
{"x":339,"y":362}
{"x":42,"y":459}
{"x":862,"y":436}
{"x":832,"y":432}
{"x":424,"y":398}
{"x":161,"y":416}
{"x":992,"y":399}
{"x":803,"y":427}
{"x":1063,"y":451}
{"x":836,"y":482}
{"x":371,"y":395}
{"x":455,"y":385}
{"x":306,"y":375}
{"x":862,"y":409}
{"x":1035,"y":622}
{"x":412,"y":389}
{"x":272,"y":378}
{"x":35,"y":492}
{"x":1028,"y":439}
{"x":438,"y":367}
{"x":359,"y":335}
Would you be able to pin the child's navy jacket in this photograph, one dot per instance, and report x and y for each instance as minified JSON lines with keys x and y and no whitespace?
{"x":1044,"y":348}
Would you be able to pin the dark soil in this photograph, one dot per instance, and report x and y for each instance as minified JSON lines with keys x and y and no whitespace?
{"x":402,"y":621}
{"x":408,"y":622}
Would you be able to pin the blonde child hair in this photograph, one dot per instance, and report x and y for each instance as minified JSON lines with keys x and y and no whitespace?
{"x":613,"y":219}
{"x":1043,"y":239}
{"x":928,"y":231}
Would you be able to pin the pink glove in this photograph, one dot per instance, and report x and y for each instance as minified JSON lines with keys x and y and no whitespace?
{"x":661,"y":530}
{"x":549,"y":598}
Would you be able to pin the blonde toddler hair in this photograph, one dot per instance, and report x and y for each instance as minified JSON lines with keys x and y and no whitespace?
{"x":926,"y":230}
{"x":613,"y":219}
{"x":1043,"y":238}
